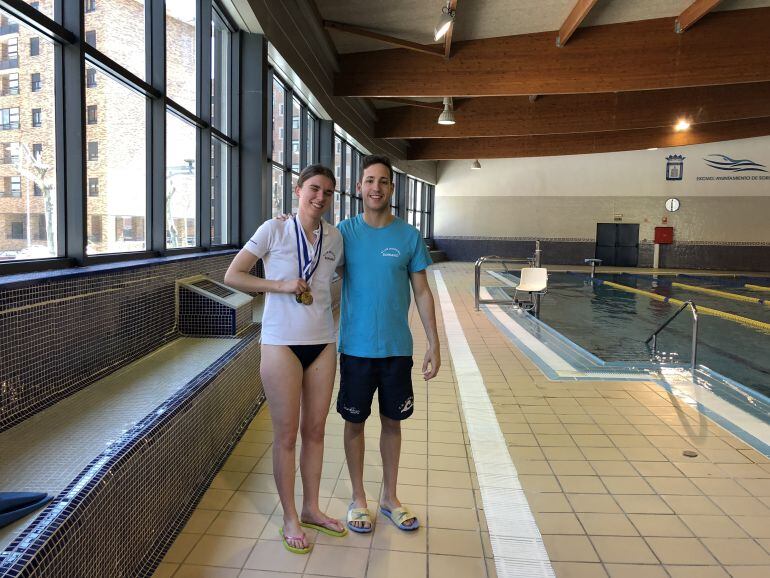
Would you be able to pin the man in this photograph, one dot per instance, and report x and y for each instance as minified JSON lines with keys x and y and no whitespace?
{"x":383,"y":256}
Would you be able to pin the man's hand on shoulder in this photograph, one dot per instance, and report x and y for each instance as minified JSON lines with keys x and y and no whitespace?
{"x":283,"y":217}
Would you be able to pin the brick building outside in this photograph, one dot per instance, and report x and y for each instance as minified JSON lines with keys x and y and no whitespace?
{"x":116,"y":129}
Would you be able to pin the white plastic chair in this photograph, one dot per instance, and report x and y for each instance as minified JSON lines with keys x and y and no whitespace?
{"x":533,"y":280}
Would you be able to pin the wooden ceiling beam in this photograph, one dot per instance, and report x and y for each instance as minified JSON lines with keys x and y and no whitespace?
{"x":727,"y":48}
{"x":584,"y":143}
{"x":392,"y":40}
{"x":574,"y":113}
{"x":578,"y":14}
{"x":417,"y":103}
{"x":694,"y":12}
{"x":448,"y":36}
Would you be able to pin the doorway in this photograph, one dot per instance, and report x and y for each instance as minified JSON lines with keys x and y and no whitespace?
{"x":617,"y":245}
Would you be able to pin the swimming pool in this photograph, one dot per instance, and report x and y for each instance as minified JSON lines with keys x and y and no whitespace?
{"x":613,"y":323}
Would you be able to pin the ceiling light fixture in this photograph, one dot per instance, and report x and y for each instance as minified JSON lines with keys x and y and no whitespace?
{"x":476,"y":165}
{"x":447,"y":115}
{"x":681,"y":125}
{"x":444,"y":22}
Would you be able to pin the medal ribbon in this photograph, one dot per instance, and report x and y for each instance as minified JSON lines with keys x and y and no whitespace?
{"x":309,"y":268}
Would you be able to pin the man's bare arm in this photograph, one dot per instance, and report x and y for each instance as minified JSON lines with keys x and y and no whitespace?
{"x":423,"y":298}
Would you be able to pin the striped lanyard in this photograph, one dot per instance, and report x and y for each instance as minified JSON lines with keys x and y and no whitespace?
{"x":310,"y":265}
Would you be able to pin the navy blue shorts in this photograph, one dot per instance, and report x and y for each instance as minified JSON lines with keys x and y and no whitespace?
{"x":360,"y":377}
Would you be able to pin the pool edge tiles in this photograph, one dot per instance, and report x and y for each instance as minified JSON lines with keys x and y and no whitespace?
{"x":517,"y":545}
{"x":699,"y":393}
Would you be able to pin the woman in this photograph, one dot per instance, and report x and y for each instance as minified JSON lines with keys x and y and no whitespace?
{"x":298,"y":361}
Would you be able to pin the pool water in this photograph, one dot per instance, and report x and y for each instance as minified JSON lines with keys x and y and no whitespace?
{"x":613,"y":324}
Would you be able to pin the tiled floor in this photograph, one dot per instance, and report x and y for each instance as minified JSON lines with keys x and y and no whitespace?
{"x":601,"y":464}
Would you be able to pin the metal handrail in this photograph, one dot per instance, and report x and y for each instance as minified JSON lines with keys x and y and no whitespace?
{"x":533,"y":261}
{"x":654,"y":336}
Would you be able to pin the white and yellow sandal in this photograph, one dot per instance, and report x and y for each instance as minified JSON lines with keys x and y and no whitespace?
{"x":398,"y":516}
{"x":359,"y":515}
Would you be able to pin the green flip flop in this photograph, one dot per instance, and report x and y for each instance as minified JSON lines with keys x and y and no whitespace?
{"x":293,"y":549}
{"x":324,"y":529}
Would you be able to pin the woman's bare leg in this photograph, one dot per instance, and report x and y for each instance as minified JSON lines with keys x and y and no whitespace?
{"x":317,"y":386}
{"x":281,"y":374}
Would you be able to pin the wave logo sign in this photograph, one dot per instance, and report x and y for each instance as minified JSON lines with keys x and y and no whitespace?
{"x":390,"y":252}
{"x":725,"y":163}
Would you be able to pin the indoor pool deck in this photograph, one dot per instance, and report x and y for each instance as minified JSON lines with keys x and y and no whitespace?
{"x":598,"y":465}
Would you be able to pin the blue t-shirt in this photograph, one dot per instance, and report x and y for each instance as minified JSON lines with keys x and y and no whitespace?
{"x":374,"y":318}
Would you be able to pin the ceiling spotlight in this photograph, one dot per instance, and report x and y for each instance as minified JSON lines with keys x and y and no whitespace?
{"x":476,"y":165}
{"x":681,"y":125}
{"x":447,"y":115}
{"x":446,"y":20}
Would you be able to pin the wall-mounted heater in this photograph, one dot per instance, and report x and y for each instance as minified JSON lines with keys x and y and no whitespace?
{"x":206,"y":308}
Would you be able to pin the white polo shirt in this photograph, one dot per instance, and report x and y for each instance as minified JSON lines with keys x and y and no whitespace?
{"x":284,"y":321}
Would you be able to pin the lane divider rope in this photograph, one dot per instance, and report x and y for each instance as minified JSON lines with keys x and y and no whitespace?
{"x":705,"y":310}
{"x":756,"y":287}
{"x":717,"y":293}
{"x":517,"y":545}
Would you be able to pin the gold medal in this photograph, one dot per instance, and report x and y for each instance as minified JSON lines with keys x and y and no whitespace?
{"x":306,"y":298}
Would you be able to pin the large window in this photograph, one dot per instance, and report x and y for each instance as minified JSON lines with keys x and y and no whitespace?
{"x":221,"y":128}
{"x":293,"y":144}
{"x":181,"y":52}
{"x":115,"y":206}
{"x":28,"y":187}
{"x":117,"y":30}
{"x":394,"y":199}
{"x":220,"y":73}
{"x":117,"y":175}
{"x":419,"y":200}
{"x":181,"y":206}
{"x":347,"y":165}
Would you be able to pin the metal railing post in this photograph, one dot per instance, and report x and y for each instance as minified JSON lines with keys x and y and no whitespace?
{"x":538,"y":258}
{"x":694,"y":353}
{"x":694,"y":358}
{"x":477,"y":281}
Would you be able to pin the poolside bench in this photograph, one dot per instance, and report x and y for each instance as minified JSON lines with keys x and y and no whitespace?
{"x":128,"y":458}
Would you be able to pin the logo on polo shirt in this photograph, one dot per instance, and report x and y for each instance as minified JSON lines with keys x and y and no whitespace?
{"x":330,"y":256}
{"x":390,"y":252}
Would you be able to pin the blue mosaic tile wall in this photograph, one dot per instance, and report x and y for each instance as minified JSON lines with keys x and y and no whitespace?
{"x":119,"y":517}
{"x":60,"y":334}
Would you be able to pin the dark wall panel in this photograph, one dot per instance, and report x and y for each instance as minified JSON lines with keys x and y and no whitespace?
{"x":675,"y":256}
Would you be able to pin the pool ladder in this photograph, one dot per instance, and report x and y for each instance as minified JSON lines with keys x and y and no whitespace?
{"x":694,"y":310}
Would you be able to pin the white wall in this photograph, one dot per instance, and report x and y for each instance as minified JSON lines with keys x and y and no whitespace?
{"x":564,"y":197}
